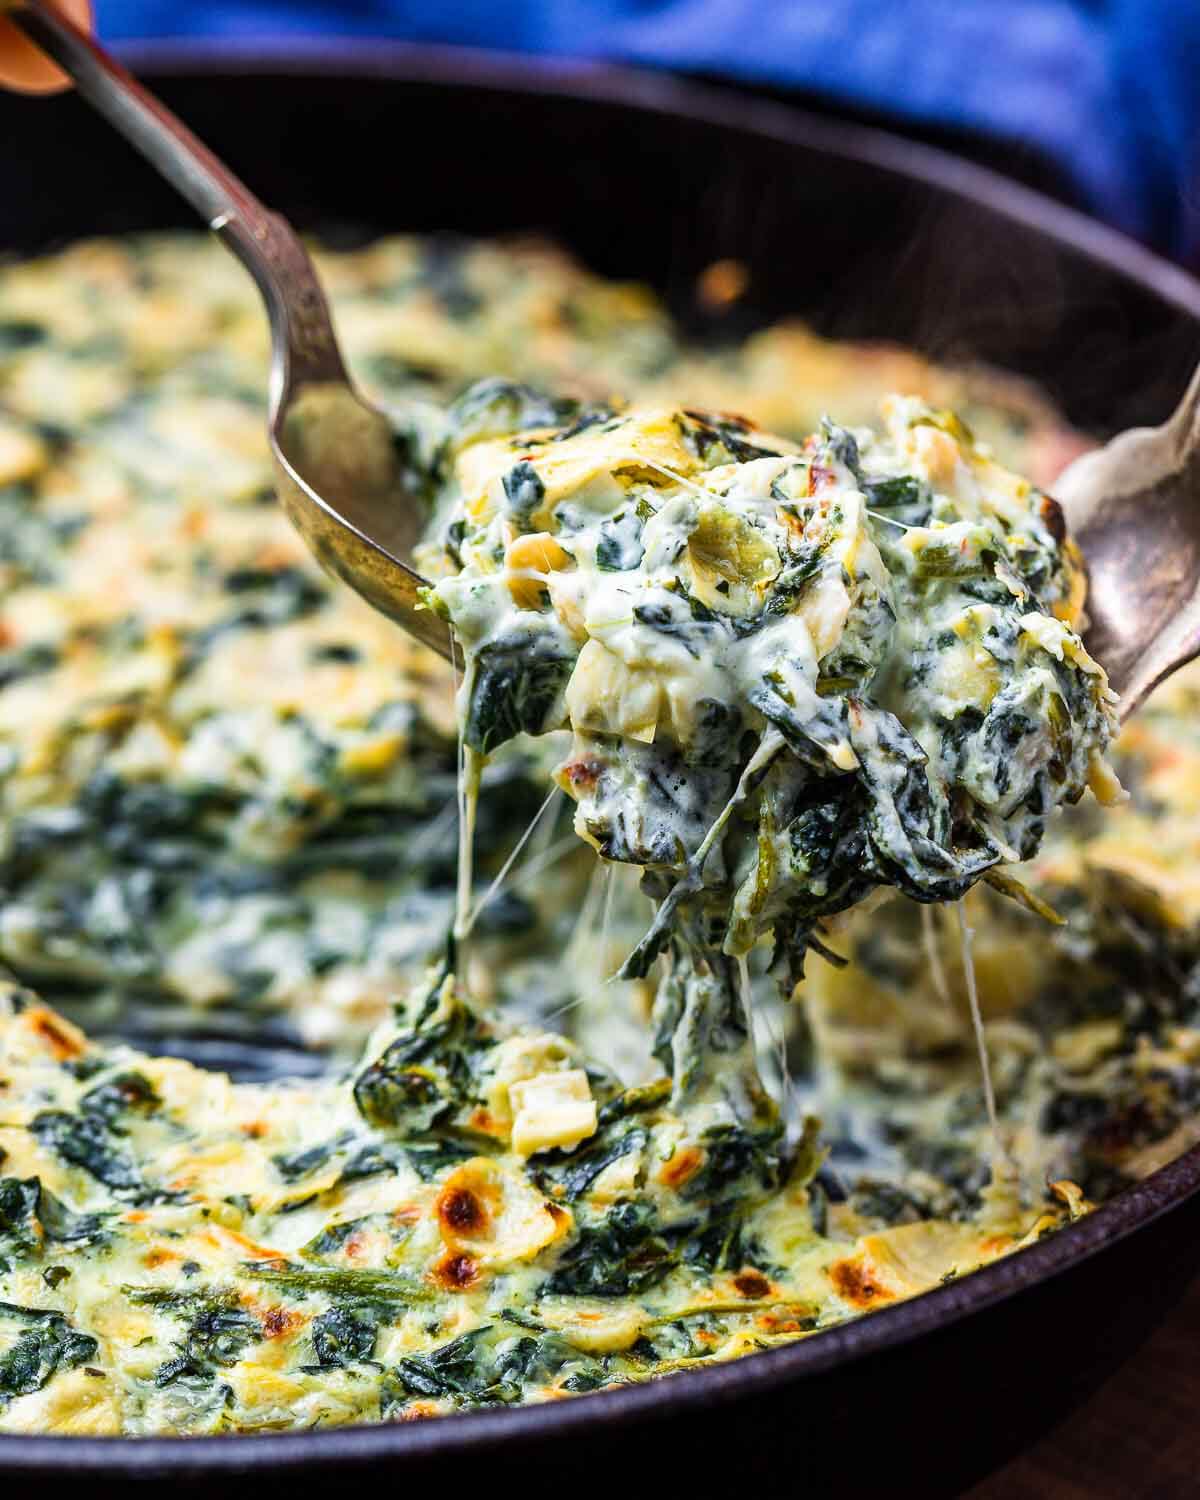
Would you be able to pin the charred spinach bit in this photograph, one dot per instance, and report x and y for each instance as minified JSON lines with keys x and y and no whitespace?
{"x":765,"y":696}
{"x":955,"y":1165}
{"x":663,"y":619}
{"x":518,"y":682}
{"x":31,"y":546}
{"x":721,"y":439}
{"x":449,"y":1370}
{"x":521,"y":1320}
{"x":740,"y":1166}
{"x":297,"y":1164}
{"x":718,"y":1243}
{"x":335,"y":651}
{"x":985,"y":590}
{"x":120,"y":1095}
{"x":633,"y":1101}
{"x":218,"y":1331}
{"x":343,"y":1336}
{"x":519,"y":1360}
{"x":885,"y":1201}
{"x":424,"y":1074}
{"x":590,"y":416}
{"x":429,"y":1159}
{"x":30,"y":1216}
{"x":883,"y":494}
{"x":735,"y":1157}
{"x":20,"y":1228}
{"x":143,"y":824}
{"x":842,"y":446}
{"x":333,"y":1238}
{"x":1073,"y":1110}
{"x":795,"y":578}
{"x":85,"y":1141}
{"x":475,"y":1370}
{"x":697,"y":608}
{"x":368,"y":1161}
{"x":620,"y":1257}
{"x":567,"y":1175}
{"x":453,"y":539}
{"x":46,"y":1344}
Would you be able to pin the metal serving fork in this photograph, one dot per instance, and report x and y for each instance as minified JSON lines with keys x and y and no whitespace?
{"x":1133,"y":506}
{"x":337,"y":470}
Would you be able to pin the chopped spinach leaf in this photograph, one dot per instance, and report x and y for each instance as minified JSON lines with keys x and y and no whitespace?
{"x":343,"y":1336}
{"x":45,"y":1344}
{"x":622,"y":1256}
{"x":517,"y":688}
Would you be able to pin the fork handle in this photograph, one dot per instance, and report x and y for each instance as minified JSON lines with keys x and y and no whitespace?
{"x":264,"y":242}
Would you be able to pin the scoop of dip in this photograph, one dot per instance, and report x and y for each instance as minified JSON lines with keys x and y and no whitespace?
{"x":793,"y":674}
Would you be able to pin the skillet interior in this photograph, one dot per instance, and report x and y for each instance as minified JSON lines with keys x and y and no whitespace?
{"x":866,"y":236}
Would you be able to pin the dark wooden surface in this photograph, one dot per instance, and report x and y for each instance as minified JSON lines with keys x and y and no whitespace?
{"x":1136,"y":1438}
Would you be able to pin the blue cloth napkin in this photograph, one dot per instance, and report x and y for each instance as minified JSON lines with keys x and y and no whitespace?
{"x":1110,"y":89}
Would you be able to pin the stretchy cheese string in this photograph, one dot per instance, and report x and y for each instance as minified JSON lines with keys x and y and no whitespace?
{"x":433,"y":832}
{"x":465,"y":841}
{"x":493,"y":890}
{"x":743,"y":968}
{"x":747,"y":988}
{"x":933,"y":953}
{"x":891,"y":521}
{"x":599,"y":895}
{"x":610,"y":884}
{"x":590,"y":939}
{"x":989,"y":1094}
{"x":776,"y":1037}
{"x":584,"y":932}
{"x":668,"y":473}
{"x":536,"y":864}
{"x":472,"y":769}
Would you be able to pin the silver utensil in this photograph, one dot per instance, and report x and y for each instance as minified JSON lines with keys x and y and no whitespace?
{"x":337,"y":469}
{"x":1132,"y":506}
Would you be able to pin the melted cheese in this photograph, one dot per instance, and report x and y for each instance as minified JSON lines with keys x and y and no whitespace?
{"x":229,"y":796}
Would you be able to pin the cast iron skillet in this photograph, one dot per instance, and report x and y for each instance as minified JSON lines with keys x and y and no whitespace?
{"x":866,"y":235}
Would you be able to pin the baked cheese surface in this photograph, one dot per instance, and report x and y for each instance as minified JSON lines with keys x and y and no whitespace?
{"x":229,"y":804}
{"x":184,"y":1254}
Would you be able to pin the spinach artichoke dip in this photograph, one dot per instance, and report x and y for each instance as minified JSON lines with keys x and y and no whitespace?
{"x":812,"y":696}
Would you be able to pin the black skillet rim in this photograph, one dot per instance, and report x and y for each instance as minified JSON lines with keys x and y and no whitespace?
{"x":1136,"y":1207}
